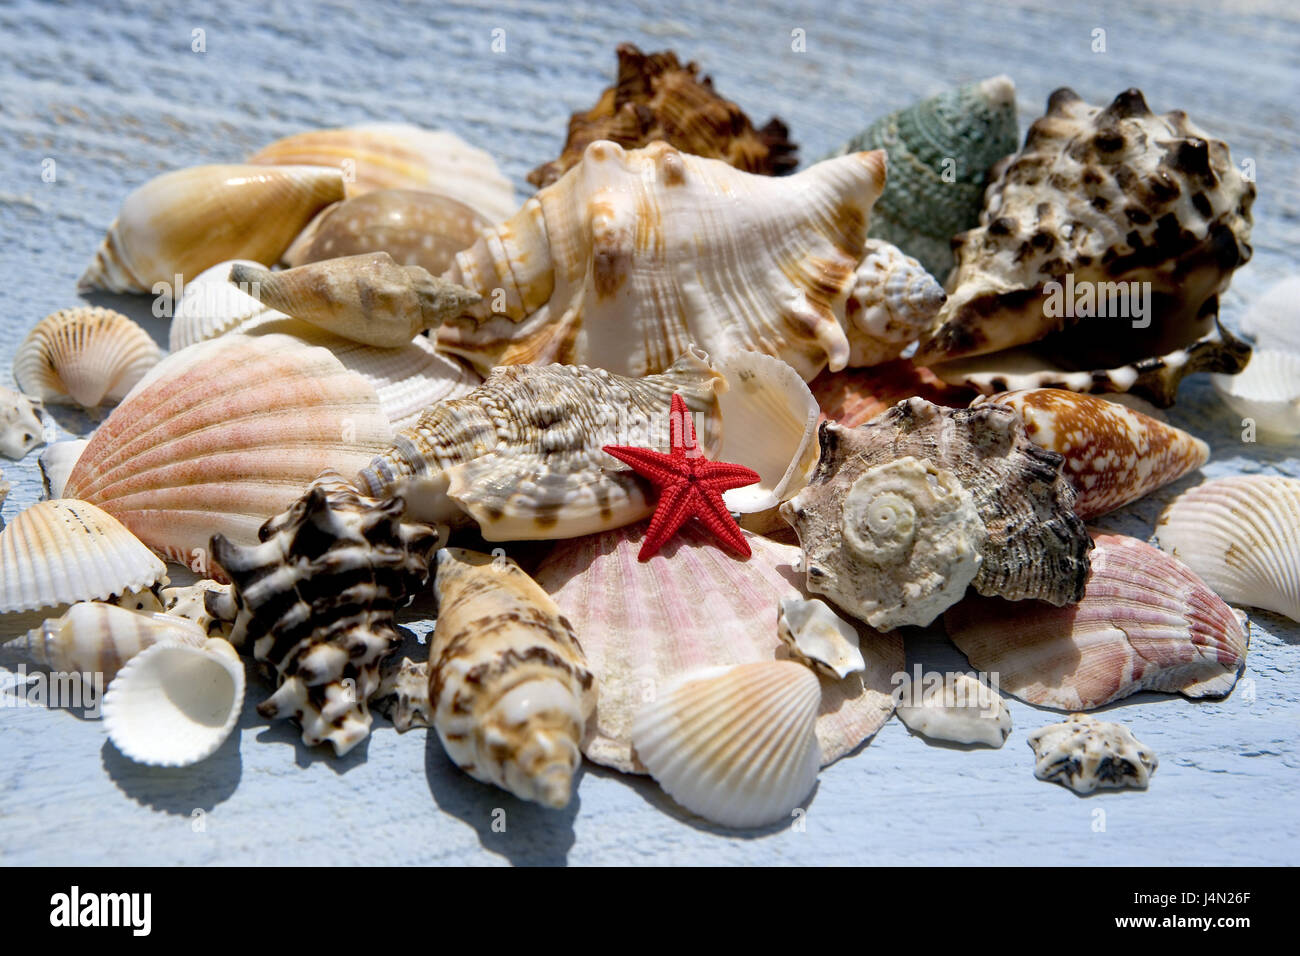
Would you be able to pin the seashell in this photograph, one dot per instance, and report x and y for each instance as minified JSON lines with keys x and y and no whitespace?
{"x":817,"y":636}
{"x":147,"y":599}
{"x":656,"y":98}
{"x":400,"y":156}
{"x":892,"y":304}
{"x":962,"y":710}
{"x":1034,"y":545}
{"x":1271,"y":320}
{"x":174,"y":704}
{"x":940,"y":151}
{"x":4,"y":493}
{"x":403,"y":695}
{"x":646,"y":625}
{"x":202,"y":603}
{"x":738,"y":747}
{"x":633,"y":256}
{"x":84,"y":356}
{"x":223,"y":435}
{"x":56,"y":463}
{"x":857,"y":395}
{"x":211,"y":306}
{"x":1086,"y":754}
{"x":1242,"y":536}
{"x":369,"y":299}
{"x":416,"y":228}
{"x":1267,"y":392}
{"x":62,"y":551}
{"x":185,"y":221}
{"x":20,"y":424}
{"x":316,"y":600}
{"x":1113,"y":455}
{"x":1145,"y":622}
{"x":508,"y":681}
{"x":1099,"y":203}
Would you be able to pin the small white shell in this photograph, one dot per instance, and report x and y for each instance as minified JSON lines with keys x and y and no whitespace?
{"x":737,"y":746}
{"x":212,"y":305}
{"x":963,"y":710}
{"x":85,"y":356}
{"x":174,"y":704}
{"x":20,"y":424}
{"x":56,"y":463}
{"x":1267,"y":392}
{"x":193,"y":604}
{"x":1084,"y":753}
{"x":819,"y":637}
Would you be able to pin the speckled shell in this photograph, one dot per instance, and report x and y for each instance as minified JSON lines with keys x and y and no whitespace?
{"x":1145,"y":622}
{"x":1113,"y":455}
{"x":857,"y":395}
{"x":86,"y":356}
{"x":316,"y":600}
{"x":940,"y":151}
{"x":892,"y":304}
{"x":1086,"y":754}
{"x":656,"y":98}
{"x":962,"y":710}
{"x":20,"y":424}
{"x":188,"y":220}
{"x":508,"y":681}
{"x":203,"y":603}
{"x":1098,"y":195}
{"x":212,"y":306}
{"x":632,"y":257}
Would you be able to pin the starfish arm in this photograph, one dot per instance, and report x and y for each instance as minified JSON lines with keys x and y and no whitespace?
{"x":659,"y":468}
{"x":681,"y":437}
{"x":721,"y":476}
{"x":715,"y":516}
{"x":674,"y":510}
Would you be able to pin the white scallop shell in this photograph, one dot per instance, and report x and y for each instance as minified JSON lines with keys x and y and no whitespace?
{"x":20,"y":424}
{"x":212,"y":305}
{"x":85,"y":356}
{"x":56,"y":464}
{"x":1267,"y":391}
{"x":963,"y":710}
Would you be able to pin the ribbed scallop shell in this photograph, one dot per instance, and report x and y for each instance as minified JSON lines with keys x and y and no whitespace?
{"x":188,"y":220}
{"x":211,"y":306}
{"x":1267,"y":392}
{"x":222,"y":436}
{"x":857,"y":395}
{"x":84,"y":356}
{"x":1145,"y":622}
{"x":1242,"y":536}
{"x":20,"y":424}
{"x":1086,"y":754}
{"x":738,"y":747}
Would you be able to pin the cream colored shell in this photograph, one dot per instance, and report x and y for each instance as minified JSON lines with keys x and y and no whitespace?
{"x":86,"y":356}
{"x":20,"y":424}
{"x":962,"y":710}
{"x":1086,"y":754}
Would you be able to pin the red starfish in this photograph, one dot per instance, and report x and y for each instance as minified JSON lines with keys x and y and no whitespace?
{"x":690,"y":486}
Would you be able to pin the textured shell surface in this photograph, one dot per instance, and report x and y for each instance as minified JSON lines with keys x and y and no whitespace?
{"x":85,"y":356}
{"x":962,"y":709}
{"x":1267,"y":392}
{"x":400,"y":156}
{"x":656,"y":98}
{"x":892,"y":304}
{"x":633,"y":256}
{"x":508,"y":681}
{"x":1034,"y":547}
{"x":56,"y":463}
{"x":403,"y":695}
{"x":646,"y":625}
{"x":188,"y":220}
{"x":940,"y":151}
{"x":1145,"y":622}
{"x":223,"y":435}
{"x":521,"y":454}
{"x":20,"y":424}
{"x":1241,"y":534}
{"x":1086,"y":754}
{"x":815,"y":635}
{"x":316,"y":598}
{"x":856,"y":395}
{"x":211,"y":305}
{"x":202,"y":603}
{"x":738,"y":747}
{"x":1113,"y":454}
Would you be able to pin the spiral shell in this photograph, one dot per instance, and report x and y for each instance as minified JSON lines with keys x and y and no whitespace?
{"x":84,"y":356}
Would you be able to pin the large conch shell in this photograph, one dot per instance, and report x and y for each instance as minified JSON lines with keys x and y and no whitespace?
{"x":84,"y":356}
{"x":20,"y":424}
{"x":185,"y":221}
{"x":633,"y":256}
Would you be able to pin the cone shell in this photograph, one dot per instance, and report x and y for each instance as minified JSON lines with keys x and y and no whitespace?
{"x":1267,"y":392}
{"x":857,"y":395}
{"x":1113,"y":454}
{"x":962,"y":710}
{"x":85,"y":356}
{"x":186,"y":221}
{"x":646,"y":625}
{"x":1086,"y":754}
{"x":1145,"y":622}
{"x":632,"y":257}
{"x":211,"y":306}
{"x":20,"y":424}
{"x":656,"y":98}
{"x":508,"y":681}
{"x":1242,"y":535}
{"x":223,"y":435}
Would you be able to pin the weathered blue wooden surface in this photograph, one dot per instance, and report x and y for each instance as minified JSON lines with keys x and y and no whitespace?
{"x":113,"y":93}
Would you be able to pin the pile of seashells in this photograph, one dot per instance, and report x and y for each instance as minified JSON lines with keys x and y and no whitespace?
{"x":363,"y":369}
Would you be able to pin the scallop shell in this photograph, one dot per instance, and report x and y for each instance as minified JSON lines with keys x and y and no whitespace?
{"x":892,"y":304}
{"x":1086,"y":754}
{"x":633,"y":256}
{"x":400,"y":156}
{"x":211,"y":306}
{"x":20,"y":424}
{"x":188,"y":220}
{"x":1267,"y":392}
{"x":961,"y":709}
{"x":1145,"y":622}
{"x":174,"y":704}
{"x":646,"y":625}
{"x":1242,"y":536}
{"x":85,"y":356}
{"x":817,"y":636}
{"x":738,"y":747}
{"x":508,"y":682}
{"x":857,"y":395}
{"x":656,"y":98}
{"x":56,"y":463}
{"x":1113,"y":455}
{"x":940,"y":151}
{"x":223,"y":435}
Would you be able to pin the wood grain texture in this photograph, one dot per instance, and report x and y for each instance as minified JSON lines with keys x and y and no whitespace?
{"x":112,"y":92}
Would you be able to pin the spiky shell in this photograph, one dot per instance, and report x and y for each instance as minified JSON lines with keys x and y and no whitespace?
{"x":20,"y":424}
{"x":1113,"y":454}
{"x":1145,"y":622}
{"x":1242,"y":536}
{"x":1267,"y":392}
{"x":188,"y":220}
{"x":211,"y":306}
{"x":961,"y":709}
{"x":633,"y":256}
{"x":84,"y":356}
{"x":508,"y":681}
{"x":221,"y":436}
{"x":857,"y":395}
{"x":656,"y":98}
{"x":940,"y":151}
{"x":817,"y":636}
{"x":1086,"y":754}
